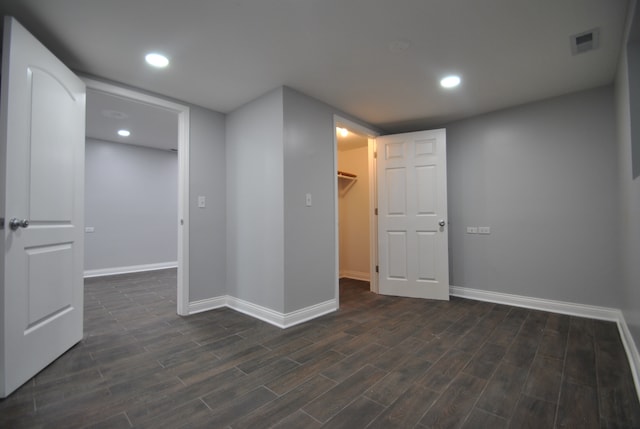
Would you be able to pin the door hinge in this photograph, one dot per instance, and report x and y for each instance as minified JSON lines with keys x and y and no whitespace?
{"x":375,"y":211}
{"x":377,"y":269}
{"x":375,"y":154}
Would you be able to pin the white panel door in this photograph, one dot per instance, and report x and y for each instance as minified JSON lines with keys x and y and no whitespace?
{"x":42,"y":122}
{"x":412,"y":215}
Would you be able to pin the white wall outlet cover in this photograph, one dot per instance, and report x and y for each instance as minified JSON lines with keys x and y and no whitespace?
{"x":89,"y":229}
{"x":202,"y":202}
{"x":472,"y":230}
{"x":484,"y":230}
{"x":308,"y":200}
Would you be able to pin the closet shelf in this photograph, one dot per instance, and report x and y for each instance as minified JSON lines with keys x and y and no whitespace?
{"x":346,"y":176}
{"x":346,"y":181}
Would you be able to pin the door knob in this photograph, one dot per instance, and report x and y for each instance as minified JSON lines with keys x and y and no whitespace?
{"x":442,"y":223}
{"x":15,"y":223}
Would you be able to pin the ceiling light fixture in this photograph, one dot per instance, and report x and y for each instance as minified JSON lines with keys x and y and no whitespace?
{"x":124,"y":133}
{"x":157,"y":60}
{"x":342,"y":131}
{"x":450,"y":81}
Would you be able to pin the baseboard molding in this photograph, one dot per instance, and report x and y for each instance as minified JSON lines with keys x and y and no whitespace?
{"x":308,"y":313}
{"x":256,"y":311}
{"x":207,"y":304}
{"x":569,"y":308}
{"x":356,"y":275}
{"x":632,"y":352}
{"x":281,"y":320}
{"x":129,"y":269}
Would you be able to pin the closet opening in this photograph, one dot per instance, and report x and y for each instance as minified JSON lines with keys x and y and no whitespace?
{"x":356,"y":203}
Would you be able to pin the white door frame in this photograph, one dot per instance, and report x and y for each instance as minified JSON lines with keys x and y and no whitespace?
{"x":183,"y":176}
{"x":339,"y":121}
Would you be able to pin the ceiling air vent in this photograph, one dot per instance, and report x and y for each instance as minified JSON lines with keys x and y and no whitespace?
{"x":585,"y":42}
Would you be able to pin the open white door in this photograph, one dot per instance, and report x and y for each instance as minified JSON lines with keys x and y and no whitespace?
{"x":43,"y":125}
{"x":412,"y":215}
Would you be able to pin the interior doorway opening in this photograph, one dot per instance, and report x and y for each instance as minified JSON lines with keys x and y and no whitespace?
{"x":353,"y":206}
{"x":182,"y":146}
{"x":356,"y":225}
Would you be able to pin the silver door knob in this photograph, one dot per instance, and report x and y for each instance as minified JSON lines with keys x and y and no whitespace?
{"x":442,"y":223}
{"x":17,"y":223}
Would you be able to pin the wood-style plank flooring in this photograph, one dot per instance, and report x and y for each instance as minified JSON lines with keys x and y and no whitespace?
{"x":379,"y":362}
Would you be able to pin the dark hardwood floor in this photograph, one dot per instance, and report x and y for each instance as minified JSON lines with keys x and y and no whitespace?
{"x":379,"y":362}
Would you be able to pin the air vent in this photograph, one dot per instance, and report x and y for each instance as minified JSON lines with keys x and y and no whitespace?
{"x":585,"y":42}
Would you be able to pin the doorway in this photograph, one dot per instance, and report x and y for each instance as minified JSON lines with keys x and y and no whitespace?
{"x":182,"y":113}
{"x":356,"y":225}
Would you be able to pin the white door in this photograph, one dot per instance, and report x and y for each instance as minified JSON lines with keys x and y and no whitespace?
{"x":412,"y":215}
{"x":42,"y":171}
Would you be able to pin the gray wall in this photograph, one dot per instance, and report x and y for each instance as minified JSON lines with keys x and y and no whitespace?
{"x":207,"y":175}
{"x":309,"y":232}
{"x":131,"y":199}
{"x":630,"y":203}
{"x":543,"y":177}
{"x":255,"y":218}
{"x":280,"y":253}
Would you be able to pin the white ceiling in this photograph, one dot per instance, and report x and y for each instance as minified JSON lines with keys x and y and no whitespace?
{"x":351,"y":141}
{"x":150,"y":126}
{"x":347,"y":53}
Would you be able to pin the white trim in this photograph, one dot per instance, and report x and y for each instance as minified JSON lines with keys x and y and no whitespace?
{"x":305,"y":314}
{"x":183,"y":112}
{"x":129,"y":269}
{"x":569,"y":308}
{"x":355,"y":275}
{"x":183,"y":211}
{"x":207,"y":304}
{"x":281,"y":320}
{"x":572,"y":309}
{"x":257,"y":311}
{"x":336,"y":214}
{"x":632,"y":351}
{"x":373,"y":218}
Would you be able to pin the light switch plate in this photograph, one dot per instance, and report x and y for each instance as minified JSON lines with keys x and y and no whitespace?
{"x":202,"y":201}
{"x":484,"y":230}
{"x":472,"y":230}
{"x":89,"y":229}
{"x":308,"y":200}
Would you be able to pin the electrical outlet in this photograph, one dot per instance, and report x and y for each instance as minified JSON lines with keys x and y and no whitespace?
{"x":484,"y":230}
{"x":472,"y":230}
{"x":89,"y":229}
{"x":308,"y":200}
{"x":202,"y":202}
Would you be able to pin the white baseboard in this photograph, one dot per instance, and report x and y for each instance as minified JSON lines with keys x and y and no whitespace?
{"x":569,"y":308}
{"x":129,"y":269}
{"x":305,"y":314}
{"x":257,"y":311}
{"x":207,"y":304}
{"x":572,"y":309}
{"x":356,"y":275}
{"x":281,"y":320}
{"x":632,"y":352}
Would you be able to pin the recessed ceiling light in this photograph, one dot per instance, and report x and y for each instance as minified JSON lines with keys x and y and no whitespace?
{"x":157,"y":60}
{"x":124,"y":133}
{"x":450,"y":81}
